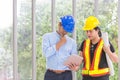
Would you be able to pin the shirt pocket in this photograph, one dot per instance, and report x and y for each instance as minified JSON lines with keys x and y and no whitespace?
{"x":67,"y":49}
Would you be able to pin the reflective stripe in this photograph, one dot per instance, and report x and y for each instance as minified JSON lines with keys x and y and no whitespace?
{"x":93,"y":69}
{"x":99,"y":71}
{"x":98,"y":55}
{"x":87,"y":55}
{"x":85,"y":71}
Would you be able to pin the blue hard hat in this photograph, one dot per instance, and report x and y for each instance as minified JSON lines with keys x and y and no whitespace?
{"x":68,"y":23}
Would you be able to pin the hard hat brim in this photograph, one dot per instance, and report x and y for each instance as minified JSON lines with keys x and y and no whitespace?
{"x":88,"y":28}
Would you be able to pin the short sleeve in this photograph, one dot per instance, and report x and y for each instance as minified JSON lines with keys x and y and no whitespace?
{"x":81,"y":46}
{"x":111,"y":47}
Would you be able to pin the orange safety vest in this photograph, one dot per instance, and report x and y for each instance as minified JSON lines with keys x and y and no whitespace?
{"x":93,"y":69}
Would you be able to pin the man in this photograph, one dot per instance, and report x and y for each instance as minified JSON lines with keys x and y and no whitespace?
{"x":93,"y":50}
{"x":57,"y":47}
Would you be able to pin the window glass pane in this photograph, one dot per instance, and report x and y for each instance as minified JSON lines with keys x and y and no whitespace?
{"x":24,"y":40}
{"x":43,"y":25}
{"x":63,"y":8}
{"x":6,"y":53}
{"x":84,"y":9}
{"x":109,"y":23}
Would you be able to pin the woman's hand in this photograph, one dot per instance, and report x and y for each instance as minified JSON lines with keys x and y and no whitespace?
{"x":112,"y":55}
{"x":106,"y":49}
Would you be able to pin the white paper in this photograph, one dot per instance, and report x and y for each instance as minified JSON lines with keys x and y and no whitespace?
{"x":106,"y":42}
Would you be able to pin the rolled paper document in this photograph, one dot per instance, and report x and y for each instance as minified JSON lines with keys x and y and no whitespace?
{"x":106,"y":42}
{"x":73,"y":59}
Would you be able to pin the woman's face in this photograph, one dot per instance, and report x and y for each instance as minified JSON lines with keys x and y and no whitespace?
{"x":92,"y":34}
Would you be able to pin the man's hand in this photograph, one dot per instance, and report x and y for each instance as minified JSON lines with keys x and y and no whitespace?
{"x":73,"y":67}
{"x":61,"y":42}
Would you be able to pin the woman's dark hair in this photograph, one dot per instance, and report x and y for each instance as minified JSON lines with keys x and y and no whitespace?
{"x":99,"y":33}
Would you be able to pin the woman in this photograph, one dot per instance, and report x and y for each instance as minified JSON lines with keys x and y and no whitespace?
{"x":93,"y":50}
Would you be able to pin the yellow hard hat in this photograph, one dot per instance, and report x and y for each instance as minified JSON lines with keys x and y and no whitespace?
{"x":91,"y":23}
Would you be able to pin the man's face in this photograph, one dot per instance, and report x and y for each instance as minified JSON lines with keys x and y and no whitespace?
{"x":91,"y":34}
{"x":61,"y":30}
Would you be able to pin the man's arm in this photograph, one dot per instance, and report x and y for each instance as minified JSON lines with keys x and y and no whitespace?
{"x":60,"y":43}
{"x":47,"y":48}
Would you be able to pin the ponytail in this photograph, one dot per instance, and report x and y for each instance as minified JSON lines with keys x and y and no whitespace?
{"x":99,"y":33}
